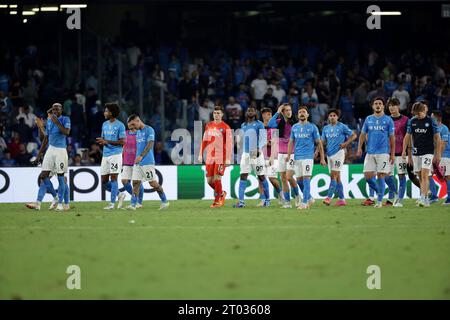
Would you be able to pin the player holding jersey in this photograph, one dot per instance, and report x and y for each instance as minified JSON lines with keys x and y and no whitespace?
{"x":218,"y":142}
{"x":445,"y":151}
{"x":423,"y":135}
{"x":378,"y":134}
{"x":128,"y":157}
{"x":336,"y":136}
{"x":270,"y":151}
{"x":304,"y":136}
{"x":144,"y":164}
{"x":112,"y":140}
{"x":254,"y":139}
{"x":400,"y":123}
{"x":283,"y":120}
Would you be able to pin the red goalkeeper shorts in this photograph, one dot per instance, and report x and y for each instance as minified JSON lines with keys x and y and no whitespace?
{"x":214,"y":168}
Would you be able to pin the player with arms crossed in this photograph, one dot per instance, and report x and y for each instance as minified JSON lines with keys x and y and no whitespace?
{"x":304,"y":137}
{"x":400,"y":123}
{"x":128,"y":157}
{"x":218,"y":142}
{"x":254,"y":139}
{"x":378,"y":134}
{"x":283,"y":121}
{"x":445,"y":151}
{"x":112,"y":140}
{"x":144,"y":164}
{"x":46,"y":185}
{"x":423,"y":135}
{"x":337,"y":136}
{"x":270,"y":151}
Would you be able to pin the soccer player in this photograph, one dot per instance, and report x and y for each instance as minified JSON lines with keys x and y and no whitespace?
{"x":337,"y":136}
{"x":112,"y":140}
{"x":46,"y":186}
{"x":271,"y":164}
{"x":445,"y":151}
{"x":218,"y":141}
{"x":283,"y":121}
{"x":400,"y":123}
{"x":378,"y":134}
{"x":422,"y":133}
{"x":304,"y":136}
{"x":144,"y":164}
{"x":56,"y":158}
{"x":128,"y":157}
{"x":254,"y":139}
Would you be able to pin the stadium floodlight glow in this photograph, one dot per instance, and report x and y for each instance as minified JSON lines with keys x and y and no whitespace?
{"x":25,"y":20}
{"x":3,"y":6}
{"x":66,"y":6}
{"x":47,"y":9}
{"x":386,"y":13}
{"x":35,"y":9}
{"x":13,"y":5}
{"x":28,"y":13}
{"x":13,"y":12}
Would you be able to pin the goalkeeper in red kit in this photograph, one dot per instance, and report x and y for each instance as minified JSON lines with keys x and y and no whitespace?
{"x":218,"y":143}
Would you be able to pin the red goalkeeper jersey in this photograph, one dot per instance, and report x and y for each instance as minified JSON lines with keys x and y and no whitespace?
{"x":217,"y":140}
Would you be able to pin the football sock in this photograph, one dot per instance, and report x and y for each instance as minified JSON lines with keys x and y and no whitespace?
{"x":128,"y":188}
{"x":50,"y":188}
{"x":306,"y":189}
{"x":331,"y":189}
{"x":41,"y":192}
{"x":381,"y":188}
{"x":340,"y":190}
{"x":141,"y":194}
{"x":114,"y":190}
{"x":61,"y":187}
{"x":218,"y":189}
{"x":372,"y":186}
{"x":265,"y":186}
{"x":402,"y":187}
{"x":66,"y":193}
{"x":433,"y":189}
{"x":242,"y":186}
{"x":391,"y":185}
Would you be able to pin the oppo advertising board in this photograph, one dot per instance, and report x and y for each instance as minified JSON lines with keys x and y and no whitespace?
{"x":21,"y":184}
{"x":179,"y":182}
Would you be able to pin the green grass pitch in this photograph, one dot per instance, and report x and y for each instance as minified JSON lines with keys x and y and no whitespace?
{"x":193,"y":252}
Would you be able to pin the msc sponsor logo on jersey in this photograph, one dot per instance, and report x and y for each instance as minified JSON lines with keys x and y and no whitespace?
{"x":378,"y":128}
{"x":332,"y":135}
{"x":110,"y":132}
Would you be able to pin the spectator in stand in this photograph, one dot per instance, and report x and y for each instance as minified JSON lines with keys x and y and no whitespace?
{"x":334,"y":85}
{"x":310,"y":99}
{"x":390,"y":86}
{"x":270,"y":101}
{"x":378,"y":91}
{"x":234,"y":113}
{"x":186,"y":89}
{"x":239,"y":73}
{"x":7,"y":161}
{"x":403,"y":96}
{"x":192,"y":110}
{"x":205,"y":111}
{"x":361,"y":110}
{"x":158,"y":77}
{"x":14,"y":145}
{"x":278,"y":92}
{"x":346,"y":106}
{"x":5,"y":103}
{"x":293,"y":99}
{"x":259,"y":88}
{"x":30,"y":93}
{"x":95,"y":154}
{"x":242,"y":97}
{"x":23,"y":158}
{"x":77,"y":161}
{"x":24,"y":131}
{"x":27,"y":115}
{"x":78,"y":120}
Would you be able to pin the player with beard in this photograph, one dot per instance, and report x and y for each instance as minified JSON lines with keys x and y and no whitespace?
{"x":304,"y":137}
{"x":254,"y":139}
{"x":378,"y":135}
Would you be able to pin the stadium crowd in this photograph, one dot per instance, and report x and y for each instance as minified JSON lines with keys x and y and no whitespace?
{"x":317,"y":76}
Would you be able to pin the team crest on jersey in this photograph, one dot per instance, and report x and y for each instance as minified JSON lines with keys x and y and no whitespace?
{"x":427,"y":124}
